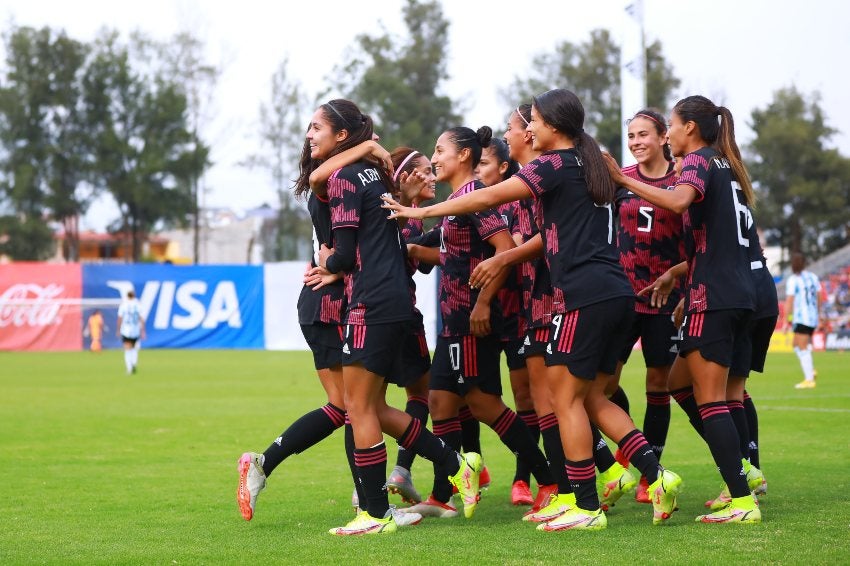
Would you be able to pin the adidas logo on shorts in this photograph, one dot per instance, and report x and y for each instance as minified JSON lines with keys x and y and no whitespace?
{"x":345,"y":349}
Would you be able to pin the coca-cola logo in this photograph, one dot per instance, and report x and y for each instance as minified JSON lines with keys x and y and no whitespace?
{"x":30,"y":304}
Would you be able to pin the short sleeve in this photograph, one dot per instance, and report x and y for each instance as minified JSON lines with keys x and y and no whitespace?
{"x":488,"y":223}
{"x":537,"y":175}
{"x":694,"y":173}
{"x":790,"y":286}
{"x":345,"y":201}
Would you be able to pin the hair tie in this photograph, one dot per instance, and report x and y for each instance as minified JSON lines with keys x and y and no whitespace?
{"x":579,"y":131}
{"x":521,"y":116}
{"x":341,"y":117}
{"x":403,"y":163}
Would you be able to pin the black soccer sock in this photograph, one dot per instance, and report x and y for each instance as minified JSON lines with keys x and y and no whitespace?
{"x":753,"y":425}
{"x":417,"y":407}
{"x":739,"y":417}
{"x":515,"y":435}
{"x":583,"y":481}
{"x":686,"y":400}
{"x":656,"y":421}
{"x":422,"y":441}
{"x":349,"y":453}
{"x":722,"y":439}
{"x":523,"y":472}
{"x":372,"y":468}
{"x":310,"y":429}
{"x":551,"y":434}
{"x":635,"y":447}
{"x":447,"y":430}
{"x":620,"y":399}
{"x":471,"y":429}
{"x":602,"y":456}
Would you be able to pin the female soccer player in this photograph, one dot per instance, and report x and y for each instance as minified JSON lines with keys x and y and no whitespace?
{"x":368,"y":249}
{"x":466,"y":357}
{"x":802,"y":302}
{"x":495,"y":166}
{"x":715,"y":190}
{"x":592,"y":298}
{"x":650,"y":241}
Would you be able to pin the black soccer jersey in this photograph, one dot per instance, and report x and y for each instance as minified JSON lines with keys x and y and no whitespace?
{"x":649,"y":239}
{"x":578,"y":235}
{"x":412,"y":230}
{"x":511,"y":291}
{"x":376,"y":287}
{"x":327,"y":305}
{"x":767,"y":302}
{"x":716,"y":243}
{"x":463,"y":246}
{"x":536,"y":284}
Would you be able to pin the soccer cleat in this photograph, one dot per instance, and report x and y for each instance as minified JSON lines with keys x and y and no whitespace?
{"x":365,"y":524}
{"x":664,"y":492}
{"x":762,"y":489}
{"x":558,"y":505}
{"x":642,"y":491}
{"x":545,"y":493}
{"x":467,"y":481}
{"x":577,"y":519}
{"x":405,"y":518}
{"x":432,"y":508}
{"x":613,"y":483}
{"x":754,"y":476}
{"x":738,"y":510}
{"x":401,"y":483}
{"x":252,"y":480}
{"x":721,"y":500}
{"x":805,"y":384}
{"x":484,"y":481}
{"x":521,"y":493}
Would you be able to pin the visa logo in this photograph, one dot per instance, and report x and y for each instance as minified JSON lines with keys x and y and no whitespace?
{"x":191,"y":297}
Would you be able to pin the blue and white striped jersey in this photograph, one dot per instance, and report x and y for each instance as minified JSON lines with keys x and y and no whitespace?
{"x":804,"y":287}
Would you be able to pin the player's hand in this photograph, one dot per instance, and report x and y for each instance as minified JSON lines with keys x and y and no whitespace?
{"x":324,"y":253}
{"x":614,"y":169}
{"x":319,"y":277}
{"x":410,"y":185}
{"x":679,"y":314}
{"x":479,"y":320}
{"x":486,"y":271}
{"x":661,"y":290}
{"x":399,"y":211}
{"x":382,"y":155}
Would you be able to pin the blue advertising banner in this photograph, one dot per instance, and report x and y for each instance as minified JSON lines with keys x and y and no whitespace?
{"x":183,"y":306}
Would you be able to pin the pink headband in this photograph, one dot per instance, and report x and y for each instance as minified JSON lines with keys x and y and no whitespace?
{"x":410,"y":156}
{"x":521,"y":117}
{"x":663,"y":127}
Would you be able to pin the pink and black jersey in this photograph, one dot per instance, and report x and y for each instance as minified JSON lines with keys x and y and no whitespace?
{"x":578,"y":235}
{"x":649,"y":239}
{"x":327,"y":305}
{"x":536,"y":284}
{"x":376,"y":287}
{"x":716,"y":228}
{"x":463,"y":246}
{"x":511,"y":292}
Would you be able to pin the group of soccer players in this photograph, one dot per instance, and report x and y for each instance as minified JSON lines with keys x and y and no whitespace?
{"x":562,"y":262}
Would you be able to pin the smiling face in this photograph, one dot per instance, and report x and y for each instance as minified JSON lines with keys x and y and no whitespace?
{"x":423,"y":166}
{"x":543,"y":135}
{"x":490,"y":171}
{"x":447,"y":160}
{"x":323,"y":140}
{"x":645,"y":143}
{"x":516,"y":135}
{"x":677,"y":134}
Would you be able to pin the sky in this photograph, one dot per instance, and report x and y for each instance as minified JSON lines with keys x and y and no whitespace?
{"x":736,"y":53}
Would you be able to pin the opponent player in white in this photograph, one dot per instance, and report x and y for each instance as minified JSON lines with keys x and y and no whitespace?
{"x":131,"y":329}
{"x":802,"y":293}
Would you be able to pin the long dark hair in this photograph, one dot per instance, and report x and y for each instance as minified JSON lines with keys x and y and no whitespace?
{"x":720,"y":135}
{"x":464,"y":137}
{"x":562,"y":109}
{"x":657,"y":118}
{"x":341,"y":114}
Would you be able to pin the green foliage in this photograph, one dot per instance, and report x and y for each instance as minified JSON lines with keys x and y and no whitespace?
{"x":803,"y":185}
{"x":398,"y":80}
{"x":110,"y":469}
{"x":592,"y":70}
{"x":27,"y":239}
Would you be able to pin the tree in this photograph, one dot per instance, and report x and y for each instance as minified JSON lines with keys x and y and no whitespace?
{"x":592,"y":71}
{"x":803,"y":185}
{"x":145,"y":156}
{"x":398,"y":80}
{"x":43,"y":132}
{"x":282,"y":127}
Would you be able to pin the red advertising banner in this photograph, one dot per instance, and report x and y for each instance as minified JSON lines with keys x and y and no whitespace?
{"x":40,"y":306}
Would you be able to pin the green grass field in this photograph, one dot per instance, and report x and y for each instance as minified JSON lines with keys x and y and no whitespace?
{"x":103,"y":468}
